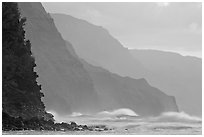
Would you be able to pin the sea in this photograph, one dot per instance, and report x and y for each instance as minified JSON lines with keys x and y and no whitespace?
{"x":124,"y":121}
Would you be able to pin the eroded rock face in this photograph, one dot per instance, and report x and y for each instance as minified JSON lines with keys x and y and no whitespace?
{"x":65,"y":83}
{"x":14,"y":124}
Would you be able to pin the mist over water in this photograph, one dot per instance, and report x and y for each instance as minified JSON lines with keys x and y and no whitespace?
{"x":125,"y":119}
{"x":177,"y":117}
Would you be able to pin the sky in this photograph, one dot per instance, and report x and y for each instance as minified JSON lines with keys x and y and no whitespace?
{"x":167,"y":26}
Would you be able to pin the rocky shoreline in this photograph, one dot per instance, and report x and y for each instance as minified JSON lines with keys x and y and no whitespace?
{"x":16,"y":124}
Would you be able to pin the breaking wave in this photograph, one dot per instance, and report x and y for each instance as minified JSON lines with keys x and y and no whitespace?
{"x":56,"y":116}
{"x":177,"y":117}
{"x":127,"y":118}
{"x":76,"y":114}
{"x":119,"y":112}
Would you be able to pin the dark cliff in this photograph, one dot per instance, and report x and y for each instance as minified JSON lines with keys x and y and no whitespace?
{"x":21,"y":95}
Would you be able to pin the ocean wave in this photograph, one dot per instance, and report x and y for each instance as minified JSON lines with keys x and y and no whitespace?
{"x":176,"y":117}
{"x":56,"y":116}
{"x":76,"y":114}
{"x":119,"y":112}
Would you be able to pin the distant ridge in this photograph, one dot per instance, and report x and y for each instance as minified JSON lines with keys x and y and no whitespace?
{"x":163,"y":52}
{"x":117,"y":92}
{"x":182,"y":74}
{"x":95,"y":45}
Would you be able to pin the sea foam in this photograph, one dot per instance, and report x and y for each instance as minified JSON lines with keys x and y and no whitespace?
{"x":177,"y":117}
{"x":119,"y":112}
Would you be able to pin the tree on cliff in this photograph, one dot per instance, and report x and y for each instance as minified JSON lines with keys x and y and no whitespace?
{"x":21,"y":96}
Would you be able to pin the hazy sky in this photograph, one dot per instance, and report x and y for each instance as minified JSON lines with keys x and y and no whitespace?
{"x":163,"y":26}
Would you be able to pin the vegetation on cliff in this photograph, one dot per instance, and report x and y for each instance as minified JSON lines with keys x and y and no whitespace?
{"x":22,"y":108}
{"x":21,"y":96}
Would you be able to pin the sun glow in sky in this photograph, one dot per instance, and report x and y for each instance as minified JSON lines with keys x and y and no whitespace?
{"x":163,"y":4}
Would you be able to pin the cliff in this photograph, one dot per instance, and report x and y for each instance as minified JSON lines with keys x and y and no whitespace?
{"x":116,"y":92}
{"x":97,"y":46}
{"x":178,"y":76}
{"x":65,"y":83}
{"x":72,"y":85}
{"x":21,"y":95}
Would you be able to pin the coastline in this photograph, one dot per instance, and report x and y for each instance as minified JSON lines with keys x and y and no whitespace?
{"x":108,"y":132}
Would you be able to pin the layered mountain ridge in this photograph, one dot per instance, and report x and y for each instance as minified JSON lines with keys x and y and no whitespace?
{"x":97,"y":46}
{"x":182,"y":74}
{"x":178,"y":76}
{"x":126,"y":92}
{"x":73,"y":85}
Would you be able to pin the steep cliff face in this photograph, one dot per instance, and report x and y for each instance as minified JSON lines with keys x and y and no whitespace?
{"x":97,"y":46}
{"x":125,"y":92}
{"x":21,"y":95}
{"x":65,"y":83}
{"x":116,"y":92}
{"x":177,"y":75}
